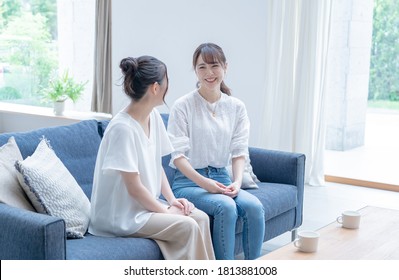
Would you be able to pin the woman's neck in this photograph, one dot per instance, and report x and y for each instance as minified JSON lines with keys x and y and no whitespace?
{"x":210,"y":96}
{"x":140,"y":112}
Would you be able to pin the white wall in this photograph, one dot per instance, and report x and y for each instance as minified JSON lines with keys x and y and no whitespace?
{"x":171,"y":30}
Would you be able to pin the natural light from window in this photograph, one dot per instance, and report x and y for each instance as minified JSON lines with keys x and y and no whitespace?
{"x":363,"y":105}
{"x":40,"y":40}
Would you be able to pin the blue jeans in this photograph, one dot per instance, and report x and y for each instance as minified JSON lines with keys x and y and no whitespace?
{"x":225,"y":211}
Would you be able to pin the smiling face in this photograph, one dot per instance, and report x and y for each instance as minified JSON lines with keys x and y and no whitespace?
{"x":210,"y":74}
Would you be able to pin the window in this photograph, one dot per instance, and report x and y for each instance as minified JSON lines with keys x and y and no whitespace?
{"x":363,"y":104}
{"x":40,"y":39}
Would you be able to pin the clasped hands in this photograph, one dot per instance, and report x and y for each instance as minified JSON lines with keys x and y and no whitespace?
{"x":184,"y":207}
{"x":181,"y":206}
{"x":214,"y":186}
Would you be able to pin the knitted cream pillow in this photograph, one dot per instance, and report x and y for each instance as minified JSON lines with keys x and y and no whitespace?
{"x":53,"y":190}
{"x":11,"y":192}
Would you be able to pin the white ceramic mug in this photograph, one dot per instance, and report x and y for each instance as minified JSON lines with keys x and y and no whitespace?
{"x":307,"y":241}
{"x":349,"y":219}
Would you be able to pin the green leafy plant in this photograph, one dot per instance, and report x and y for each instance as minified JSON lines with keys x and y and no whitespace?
{"x":62,"y":88}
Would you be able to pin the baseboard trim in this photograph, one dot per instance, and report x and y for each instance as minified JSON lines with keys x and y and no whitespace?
{"x":361,"y":183}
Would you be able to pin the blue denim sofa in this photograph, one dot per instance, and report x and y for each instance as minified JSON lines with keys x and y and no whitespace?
{"x":30,"y":235}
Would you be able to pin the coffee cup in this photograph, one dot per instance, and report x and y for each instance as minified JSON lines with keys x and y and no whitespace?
{"x":349,"y":219}
{"x":307,"y":241}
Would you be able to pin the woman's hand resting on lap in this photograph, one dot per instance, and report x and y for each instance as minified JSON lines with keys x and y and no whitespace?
{"x":181,"y":206}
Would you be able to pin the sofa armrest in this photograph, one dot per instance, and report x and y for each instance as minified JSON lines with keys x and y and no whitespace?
{"x":281,"y":167}
{"x":278,"y":166}
{"x":29,"y":235}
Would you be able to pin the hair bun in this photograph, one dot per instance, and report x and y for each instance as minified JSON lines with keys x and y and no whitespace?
{"x":128,"y":65}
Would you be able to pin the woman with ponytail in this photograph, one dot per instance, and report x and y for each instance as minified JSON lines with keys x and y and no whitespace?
{"x":209,"y":129}
{"x":129,"y":178}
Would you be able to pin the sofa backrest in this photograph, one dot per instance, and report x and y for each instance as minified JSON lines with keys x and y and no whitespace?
{"x":76,"y":145}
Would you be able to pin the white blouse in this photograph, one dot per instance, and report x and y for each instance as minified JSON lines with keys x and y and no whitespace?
{"x":208,"y":134}
{"x":125,"y":147}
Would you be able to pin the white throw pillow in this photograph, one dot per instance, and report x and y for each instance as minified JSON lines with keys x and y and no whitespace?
{"x":53,"y":190}
{"x":249,"y":179}
{"x":11,"y":192}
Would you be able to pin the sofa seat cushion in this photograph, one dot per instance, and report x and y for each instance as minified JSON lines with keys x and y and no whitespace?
{"x":276,"y":198}
{"x":115,"y":248}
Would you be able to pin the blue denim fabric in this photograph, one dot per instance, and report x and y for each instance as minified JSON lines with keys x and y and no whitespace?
{"x":225,"y":211}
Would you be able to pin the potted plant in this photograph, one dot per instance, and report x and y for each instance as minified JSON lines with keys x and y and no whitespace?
{"x":62,"y":88}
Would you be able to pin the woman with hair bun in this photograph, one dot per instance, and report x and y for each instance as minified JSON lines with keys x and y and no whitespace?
{"x":129,"y":178}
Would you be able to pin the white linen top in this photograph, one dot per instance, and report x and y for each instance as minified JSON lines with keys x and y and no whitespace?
{"x":125,"y":147}
{"x":204,"y":139}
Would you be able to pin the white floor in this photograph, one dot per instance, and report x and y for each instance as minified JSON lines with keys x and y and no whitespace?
{"x":322,"y":205}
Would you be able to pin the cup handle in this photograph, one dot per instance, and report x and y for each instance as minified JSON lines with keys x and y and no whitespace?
{"x":297,"y":243}
{"x":339,"y":219}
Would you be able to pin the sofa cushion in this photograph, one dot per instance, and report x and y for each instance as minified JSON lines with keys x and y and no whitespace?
{"x":112,"y":248}
{"x":53,"y":190}
{"x":11,"y":192}
{"x":276,"y":198}
{"x":76,"y":145}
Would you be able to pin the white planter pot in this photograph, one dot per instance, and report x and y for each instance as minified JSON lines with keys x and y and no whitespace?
{"x":59,"y":107}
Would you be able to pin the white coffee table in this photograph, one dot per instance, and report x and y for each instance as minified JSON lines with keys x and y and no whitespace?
{"x":376,"y":239}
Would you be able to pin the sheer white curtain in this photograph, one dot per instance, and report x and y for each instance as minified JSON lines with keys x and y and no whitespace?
{"x":295,"y":84}
{"x":102,"y":81}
